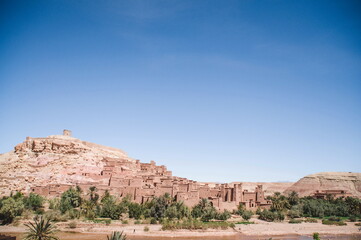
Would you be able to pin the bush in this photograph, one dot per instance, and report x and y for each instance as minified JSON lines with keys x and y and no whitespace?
{"x":39,"y":211}
{"x":73,"y":213}
{"x":34,"y":202}
{"x":10,"y":208}
{"x":241,"y":209}
{"x":27,"y":214}
{"x":108,"y":222}
{"x":334,"y":219}
{"x":352,"y":219}
{"x":56,"y":216}
{"x":245,"y":222}
{"x":70,"y":199}
{"x":358,"y":224}
{"x":311,"y":220}
{"x":194,"y":224}
{"x":294,"y":214}
{"x":295,"y":221}
{"x":125,"y":222}
{"x":146,"y":229}
{"x":223,"y":216}
{"x":111,"y":209}
{"x":204,"y":210}
{"x":54,"y":203}
{"x":267,"y":215}
{"x":246,"y":215}
{"x":316,"y":236}
{"x":153,"y":221}
{"x":72,"y":224}
{"x":137,"y":222}
{"x":329,"y":222}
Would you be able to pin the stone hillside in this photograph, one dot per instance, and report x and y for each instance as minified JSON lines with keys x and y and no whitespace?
{"x":347,"y":181}
{"x":57,"y":159}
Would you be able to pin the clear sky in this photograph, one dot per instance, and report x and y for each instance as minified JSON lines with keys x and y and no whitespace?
{"x":215,"y":90}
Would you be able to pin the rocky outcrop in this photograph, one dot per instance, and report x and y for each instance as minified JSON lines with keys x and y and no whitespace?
{"x":326,"y":181}
{"x":57,"y":159}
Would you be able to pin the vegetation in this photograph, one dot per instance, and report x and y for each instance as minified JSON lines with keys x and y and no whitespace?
{"x":293,"y":221}
{"x":246,"y":215}
{"x":316,"y":236}
{"x":40,"y":229}
{"x":75,"y":204}
{"x":333,"y":222}
{"x":10,"y":208}
{"x":72,"y":224}
{"x":310,"y":220}
{"x":194,"y":224}
{"x":117,"y":236}
{"x":295,"y":207}
{"x":244,"y":222}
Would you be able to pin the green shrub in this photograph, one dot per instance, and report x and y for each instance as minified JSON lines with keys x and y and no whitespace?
{"x":223,"y":216}
{"x":153,"y":221}
{"x":334,"y":219}
{"x":295,"y":221}
{"x":245,"y":222}
{"x":137,"y":222}
{"x":70,"y":199}
{"x":56,"y":216}
{"x":316,"y":236}
{"x":311,"y":220}
{"x":204,"y":210}
{"x":73,"y":213}
{"x":39,"y":211}
{"x":108,"y":222}
{"x":27,"y":214}
{"x":54,"y":203}
{"x":125,"y":222}
{"x":72,"y":224}
{"x":10,"y":208}
{"x":194,"y":224}
{"x":146,"y":229}
{"x":294,"y":214}
{"x":246,"y":215}
{"x":241,"y":209}
{"x":329,"y":222}
{"x":34,"y":202}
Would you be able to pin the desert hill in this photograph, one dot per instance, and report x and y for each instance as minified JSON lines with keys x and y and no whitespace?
{"x":326,"y":181}
{"x":56,"y":159}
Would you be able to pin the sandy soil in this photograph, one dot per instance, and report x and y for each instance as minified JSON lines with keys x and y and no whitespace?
{"x":285,"y":228}
{"x":260,"y":228}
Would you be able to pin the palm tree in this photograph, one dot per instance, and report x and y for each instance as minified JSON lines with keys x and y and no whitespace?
{"x":117,"y":236}
{"x":40,"y":229}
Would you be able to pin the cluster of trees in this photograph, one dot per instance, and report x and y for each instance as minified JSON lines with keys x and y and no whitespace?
{"x":295,"y":207}
{"x":73,"y":203}
{"x":15,"y":205}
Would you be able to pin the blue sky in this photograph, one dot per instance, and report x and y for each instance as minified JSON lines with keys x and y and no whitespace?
{"x":215,"y":90}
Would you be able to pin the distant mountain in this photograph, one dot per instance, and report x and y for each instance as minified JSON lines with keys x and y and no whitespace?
{"x":328,"y":181}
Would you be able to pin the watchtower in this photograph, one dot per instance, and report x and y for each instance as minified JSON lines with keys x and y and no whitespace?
{"x":67,"y":132}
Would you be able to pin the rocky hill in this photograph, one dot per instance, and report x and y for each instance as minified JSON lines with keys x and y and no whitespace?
{"x":57,"y":159}
{"x":326,"y":181}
